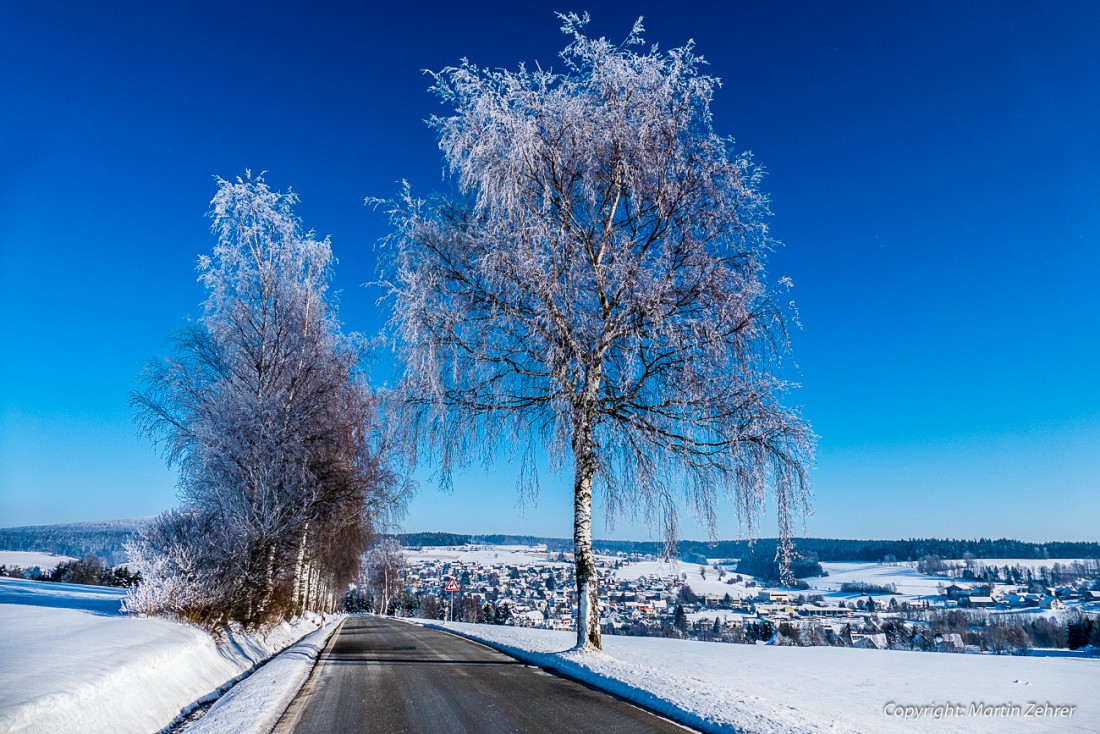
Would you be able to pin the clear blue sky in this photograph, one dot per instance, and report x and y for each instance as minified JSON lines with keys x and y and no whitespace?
{"x":934,"y":170}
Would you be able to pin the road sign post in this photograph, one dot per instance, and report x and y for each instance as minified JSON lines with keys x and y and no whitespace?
{"x":452,"y":586}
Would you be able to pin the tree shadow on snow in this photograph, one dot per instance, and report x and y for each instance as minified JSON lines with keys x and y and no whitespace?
{"x":100,"y":600}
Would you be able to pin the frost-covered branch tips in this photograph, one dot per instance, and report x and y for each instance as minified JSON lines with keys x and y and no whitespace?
{"x":599,"y":287}
{"x":264,"y":410}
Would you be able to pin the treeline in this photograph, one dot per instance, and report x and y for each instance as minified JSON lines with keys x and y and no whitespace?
{"x":706,"y":630}
{"x":915,"y":548}
{"x":987,"y":633}
{"x":437,"y":539}
{"x":820,"y":549}
{"x":833,"y":549}
{"x":552,"y":544}
{"x":264,"y":409}
{"x":429,"y":606}
{"x":431,"y":540}
{"x":107,"y":540}
{"x":970,"y":569}
{"x":764,"y":563}
{"x":90,"y":570}
{"x":930,"y":630}
{"x":830,"y":549}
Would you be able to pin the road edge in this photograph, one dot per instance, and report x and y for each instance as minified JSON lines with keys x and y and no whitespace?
{"x":288,"y":717}
{"x":555,"y":665}
{"x":257,"y":703}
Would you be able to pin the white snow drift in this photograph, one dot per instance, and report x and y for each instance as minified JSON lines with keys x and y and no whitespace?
{"x":71,"y":661}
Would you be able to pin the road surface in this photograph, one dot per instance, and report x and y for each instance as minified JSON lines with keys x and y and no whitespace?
{"x":380,"y":675}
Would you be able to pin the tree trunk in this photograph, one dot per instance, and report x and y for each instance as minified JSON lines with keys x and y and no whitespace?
{"x":299,"y":572}
{"x":386,"y":588}
{"x":267,"y":591}
{"x":309,"y":592}
{"x":588,"y":609}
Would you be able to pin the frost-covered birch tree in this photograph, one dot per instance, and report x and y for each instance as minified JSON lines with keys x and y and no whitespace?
{"x":596,"y":288}
{"x":264,"y":410}
{"x":383,"y":574}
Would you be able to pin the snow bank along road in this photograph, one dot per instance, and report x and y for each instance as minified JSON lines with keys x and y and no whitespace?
{"x":379,"y":675}
{"x":70,"y":661}
{"x":763,"y":689}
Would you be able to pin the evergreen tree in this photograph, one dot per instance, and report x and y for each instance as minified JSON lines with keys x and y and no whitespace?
{"x":679,"y":619}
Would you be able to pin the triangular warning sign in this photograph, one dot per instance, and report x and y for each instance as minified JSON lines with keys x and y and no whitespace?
{"x":452,"y":585}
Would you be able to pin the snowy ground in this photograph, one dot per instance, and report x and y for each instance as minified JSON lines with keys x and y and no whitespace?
{"x":702,"y":579}
{"x":911,"y":584}
{"x":516,"y":555}
{"x":745,"y":688}
{"x":71,"y":661}
{"x":30,"y":559}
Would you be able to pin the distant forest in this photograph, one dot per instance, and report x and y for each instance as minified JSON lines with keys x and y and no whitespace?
{"x":814,"y":549}
{"x":103,"y":539}
{"x":107,"y":539}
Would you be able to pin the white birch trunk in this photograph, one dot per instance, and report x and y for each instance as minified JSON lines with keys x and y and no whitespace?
{"x":299,"y":569}
{"x":588,"y":609}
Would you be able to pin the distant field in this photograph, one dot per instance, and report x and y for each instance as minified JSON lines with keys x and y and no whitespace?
{"x":513,"y":554}
{"x":104,"y":539}
{"x":910,"y":584}
{"x":702,"y":579}
{"x":29,"y":559}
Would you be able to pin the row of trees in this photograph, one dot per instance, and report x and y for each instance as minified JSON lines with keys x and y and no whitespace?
{"x":90,"y":570}
{"x":263,"y":408}
{"x":705,"y":629}
{"x":973,"y":569}
{"x":1013,"y":635}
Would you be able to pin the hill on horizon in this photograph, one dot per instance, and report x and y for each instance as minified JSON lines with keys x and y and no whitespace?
{"x":107,"y":539}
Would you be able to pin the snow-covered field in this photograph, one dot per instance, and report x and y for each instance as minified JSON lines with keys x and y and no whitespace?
{"x":30,"y":559}
{"x":911,"y":584}
{"x":745,"y":688}
{"x":70,"y":661}
{"x":486,"y":555}
{"x":702,"y":579}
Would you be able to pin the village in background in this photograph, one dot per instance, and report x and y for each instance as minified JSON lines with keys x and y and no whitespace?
{"x":997,"y":596}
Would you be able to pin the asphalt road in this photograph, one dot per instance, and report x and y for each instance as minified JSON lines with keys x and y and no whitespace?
{"x":380,"y":675}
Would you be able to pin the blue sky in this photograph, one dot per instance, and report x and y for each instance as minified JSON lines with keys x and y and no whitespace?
{"x":934,"y":170}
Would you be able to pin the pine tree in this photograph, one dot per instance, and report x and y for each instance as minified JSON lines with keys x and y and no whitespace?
{"x":679,"y":619}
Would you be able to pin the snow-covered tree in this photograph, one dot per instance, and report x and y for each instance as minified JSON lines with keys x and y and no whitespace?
{"x":184,"y":562}
{"x":597,"y":289}
{"x":382,"y":576}
{"x":263,"y":409}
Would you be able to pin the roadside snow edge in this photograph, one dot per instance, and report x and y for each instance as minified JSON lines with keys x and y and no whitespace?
{"x":255,"y":704}
{"x":568,"y":665}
